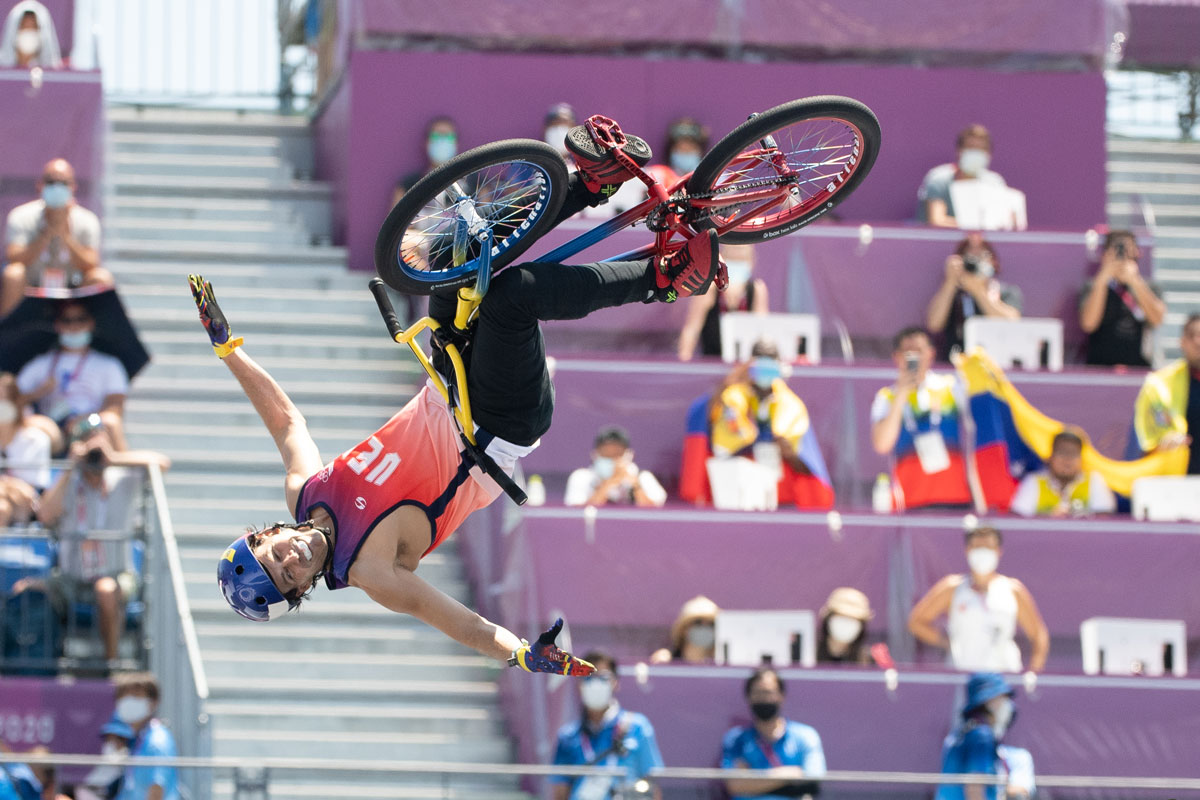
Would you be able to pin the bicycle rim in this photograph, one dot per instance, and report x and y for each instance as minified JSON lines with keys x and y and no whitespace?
{"x":510,"y":189}
{"x":824,"y":147}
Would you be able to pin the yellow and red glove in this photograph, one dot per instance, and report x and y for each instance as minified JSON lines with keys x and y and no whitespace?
{"x":212,"y":318}
{"x":544,"y":656}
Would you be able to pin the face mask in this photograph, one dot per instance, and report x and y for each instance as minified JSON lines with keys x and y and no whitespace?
{"x":764,"y":371}
{"x":983,"y":560}
{"x":73,"y":340}
{"x":56,"y":195}
{"x":113,"y":749}
{"x":8,"y":412}
{"x":604,"y":467}
{"x":702,"y":636}
{"x":596,"y":693}
{"x":764,"y":711}
{"x":132,"y":709}
{"x":1002,"y":709}
{"x":685,"y":162}
{"x":555,"y":136}
{"x":441,"y":147}
{"x":28,"y":42}
{"x":844,"y":629}
{"x":973,"y":161}
{"x":738,"y":271}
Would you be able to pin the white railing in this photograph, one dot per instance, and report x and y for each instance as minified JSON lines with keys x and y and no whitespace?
{"x":174,"y":647}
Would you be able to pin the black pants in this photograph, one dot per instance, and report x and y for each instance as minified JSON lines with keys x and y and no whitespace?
{"x":510,"y":390}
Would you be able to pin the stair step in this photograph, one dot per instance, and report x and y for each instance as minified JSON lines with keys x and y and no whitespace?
{"x":195,"y":143}
{"x":200,"y":186}
{"x":379,"y":716}
{"x":361,"y":689}
{"x":200,"y":208}
{"x":310,"y":743}
{"x":131,"y":166}
{"x":202,"y":251}
{"x":350,"y":666}
{"x":249,"y":231}
{"x":392,"y":787}
{"x":226,"y":277}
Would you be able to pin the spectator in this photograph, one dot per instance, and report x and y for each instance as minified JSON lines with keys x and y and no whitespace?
{"x":559,"y":119}
{"x":791,"y":748}
{"x":1063,"y":489}
{"x":136,"y":702}
{"x":693,"y":634}
{"x":441,"y":145}
{"x":973,"y":747}
{"x":98,"y":494}
{"x":52,"y":241}
{"x":17,"y":780}
{"x":606,"y":735}
{"x":756,"y":414}
{"x":103,"y":782}
{"x":47,"y":776}
{"x":613,"y":477}
{"x":917,"y":421}
{"x":968,"y":289}
{"x":687,"y":142}
{"x":29,"y":38}
{"x":25,"y":454}
{"x":842,"y":638}
{"x":744,"y":293}
{"x":983,"y":609}
{"x":1167,"y":409}
{"x":73,"y":380}
{"x":1118,"y":308}
{"x":974,"y":154}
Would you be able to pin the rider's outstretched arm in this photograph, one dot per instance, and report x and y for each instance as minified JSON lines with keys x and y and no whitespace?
{"x":283,"y":420}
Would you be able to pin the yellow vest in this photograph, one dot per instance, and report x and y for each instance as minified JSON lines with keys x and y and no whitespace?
{"x":735,"y":417}
{"x":1161,"y":405}
{"x":1049,"y":499}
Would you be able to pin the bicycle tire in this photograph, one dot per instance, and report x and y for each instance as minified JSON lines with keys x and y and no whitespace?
{"x":517,"y":186}
{"x":846,"y":122}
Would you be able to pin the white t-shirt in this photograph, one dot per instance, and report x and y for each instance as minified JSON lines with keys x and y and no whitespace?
{"x":27,"y":220}
{"x":81,"y":388}
{"x":113,"y":507}
{"x":583,"y":482}
{"x":982,"y":627}
{"x":27,"y":457}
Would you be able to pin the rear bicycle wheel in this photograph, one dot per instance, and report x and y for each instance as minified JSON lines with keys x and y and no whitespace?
{"x":513,"y":188}
{"x":818,"y":148}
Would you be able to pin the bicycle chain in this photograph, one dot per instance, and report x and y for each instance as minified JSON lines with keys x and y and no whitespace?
{"x":656,"y":219}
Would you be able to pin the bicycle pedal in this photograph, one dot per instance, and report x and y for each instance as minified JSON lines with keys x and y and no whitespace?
{"x":605,"y":131}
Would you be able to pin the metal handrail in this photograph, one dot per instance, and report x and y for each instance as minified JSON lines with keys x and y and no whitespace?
{"x":334,"y":765}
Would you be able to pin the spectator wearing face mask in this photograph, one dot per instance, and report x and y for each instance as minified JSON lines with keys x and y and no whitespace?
{"x":441,"y":145}
{"x":693,"y":634}
{"x":842,"y":637}
{"x":103,"y":782}
{"x":1118,"y":308}
{"x":613,"y":477}
{"x":772,"y":742}
{"x":24,"y":457}
{"x":559,"y":119}
{"x":687,"y":142}
{"x":974,"y":146}
{"x":973,"y":747}
{"x":1063,"y":488}
{"x":983,"y":610}
{"x":136,"y":703}
{"x":52,"y":241}
{"x":606,"y":735}
{"x":29,"y":39}
{"x":744,"y":293}
{"x":969,"y":289}
{"x":759,"y":416}
{"x":72,"y":381}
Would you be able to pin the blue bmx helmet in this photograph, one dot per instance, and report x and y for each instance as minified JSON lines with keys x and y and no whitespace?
{"x":247,"y":587}
{"x":982,"y":687}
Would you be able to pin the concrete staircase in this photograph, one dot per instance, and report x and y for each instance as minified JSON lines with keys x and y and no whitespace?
{"x":1162,"y":178}
{"x":226,"y":195}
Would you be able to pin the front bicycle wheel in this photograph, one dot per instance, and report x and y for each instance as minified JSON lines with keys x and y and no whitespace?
{"x":431,"y":239}
{"x":783,"y":168}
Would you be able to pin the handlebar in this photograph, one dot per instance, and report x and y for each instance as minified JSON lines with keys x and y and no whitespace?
{"x":379,"y":289}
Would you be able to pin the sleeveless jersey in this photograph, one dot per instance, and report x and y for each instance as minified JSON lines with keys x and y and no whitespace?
{"x":981,"y":627}
{"x":414,"y":459}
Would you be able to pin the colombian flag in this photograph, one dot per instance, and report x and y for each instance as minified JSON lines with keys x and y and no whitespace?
{"x":1012,"y":437}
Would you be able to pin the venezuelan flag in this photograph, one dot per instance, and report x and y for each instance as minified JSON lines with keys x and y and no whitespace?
{"x":1012,"y":437}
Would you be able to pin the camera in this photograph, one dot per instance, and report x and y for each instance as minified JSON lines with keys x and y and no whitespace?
{"x":912,"y":362}
{"x":971,"y":263}
{"x":1120,"y":249}
{"x":94,"y":458}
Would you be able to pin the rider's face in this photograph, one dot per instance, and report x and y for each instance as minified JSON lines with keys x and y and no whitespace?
{"x":292,"y":557}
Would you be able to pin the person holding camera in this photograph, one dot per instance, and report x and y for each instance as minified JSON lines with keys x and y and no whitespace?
{"x":917,"y":420}
{"x":1118,"y":309}
{"x":606,"y":736}
{"x":969,"y":288}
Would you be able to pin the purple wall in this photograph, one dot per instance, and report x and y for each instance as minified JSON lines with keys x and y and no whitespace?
{"x":393,"y":94}
{"x":653,"y":398}
{"x":67,"y":114}
{"x":1031,"y":28}
{"x":64,"y":716}
{"x":1163,"y":34}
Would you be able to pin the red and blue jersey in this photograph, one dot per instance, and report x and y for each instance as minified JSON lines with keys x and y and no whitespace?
{"x":416,"y":458}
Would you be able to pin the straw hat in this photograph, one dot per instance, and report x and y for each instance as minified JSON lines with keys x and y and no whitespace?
{"x":849,"y":602}
{"x":698,"y":609}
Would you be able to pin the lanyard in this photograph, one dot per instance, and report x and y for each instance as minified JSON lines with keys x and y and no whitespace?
{"x":1128,"y":299}
{"x":767,"y":750}
{"x":609,"y":755}
{"x":935,"y":411}
{"x":74,"y":373}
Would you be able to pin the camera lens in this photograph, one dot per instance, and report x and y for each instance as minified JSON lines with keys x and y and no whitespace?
{"x":94,"y":457}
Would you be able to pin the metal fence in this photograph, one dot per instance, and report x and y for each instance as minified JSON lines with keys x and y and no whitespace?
{"x":1156,"y":105}
{"x":220,"y":53}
